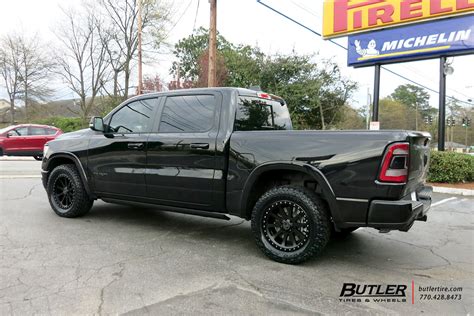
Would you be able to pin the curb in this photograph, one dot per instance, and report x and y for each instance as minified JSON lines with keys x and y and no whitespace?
{"x":464,"y":192}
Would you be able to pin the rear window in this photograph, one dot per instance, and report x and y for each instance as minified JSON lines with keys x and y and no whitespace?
{"x":37,"y":131}
{"x":255,"y":114}
{"x":50,"y":131}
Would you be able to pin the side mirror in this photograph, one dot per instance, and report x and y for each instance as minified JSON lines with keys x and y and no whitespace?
{"x":97,"y":124}
{"x":10,"y":134}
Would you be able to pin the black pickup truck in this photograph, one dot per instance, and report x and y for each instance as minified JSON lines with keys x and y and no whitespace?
{"x":213,"y":152}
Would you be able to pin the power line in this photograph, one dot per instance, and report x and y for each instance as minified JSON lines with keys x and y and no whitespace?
{"x":181,"y":16}
{"x":313,"y":13}
{"x":195,"y":17}
{"x":345,"y":48}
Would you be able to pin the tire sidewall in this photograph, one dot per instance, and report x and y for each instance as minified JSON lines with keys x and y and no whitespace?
{"x":316,"y":224}
{"x":70,"y":173}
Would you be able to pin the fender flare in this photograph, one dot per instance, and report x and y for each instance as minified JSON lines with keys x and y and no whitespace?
{"x":77,"y":163}
{"x":308,"y":169}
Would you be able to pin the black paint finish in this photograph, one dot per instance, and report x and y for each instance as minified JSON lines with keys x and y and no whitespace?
{"x":217,"y":170}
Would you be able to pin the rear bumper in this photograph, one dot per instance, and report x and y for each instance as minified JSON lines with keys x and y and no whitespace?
{"x":400,"y":215}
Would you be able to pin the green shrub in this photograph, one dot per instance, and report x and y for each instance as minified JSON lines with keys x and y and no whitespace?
{"x":451,"y":167}
{"x":66,"y":124}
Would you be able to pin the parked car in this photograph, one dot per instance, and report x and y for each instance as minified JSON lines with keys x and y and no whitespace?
{"x":212,"y":152}
{"x":26,"y":139}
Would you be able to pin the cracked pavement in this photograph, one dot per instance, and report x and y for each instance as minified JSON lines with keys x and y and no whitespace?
{"x":125,"y":260}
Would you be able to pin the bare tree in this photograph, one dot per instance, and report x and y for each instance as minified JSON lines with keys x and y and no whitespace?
{"x":120,"y":36}
{"x":83,"y":62}
{"x":10,"y":63}
{"x":35,"y":71}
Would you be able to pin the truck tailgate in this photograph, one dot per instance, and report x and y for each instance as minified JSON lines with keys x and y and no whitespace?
{"x":419,"y":160}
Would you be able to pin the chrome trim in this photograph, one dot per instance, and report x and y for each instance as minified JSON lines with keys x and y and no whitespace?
{"x":388,"y":183}
{"x":352,"y":200}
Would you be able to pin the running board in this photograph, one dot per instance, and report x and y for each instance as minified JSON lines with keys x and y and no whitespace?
{"x":167,"y":208}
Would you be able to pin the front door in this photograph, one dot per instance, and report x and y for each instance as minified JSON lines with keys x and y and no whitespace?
{"x":117,"y":158}
{"x":15,"y":143}
{"x":181,"y":163}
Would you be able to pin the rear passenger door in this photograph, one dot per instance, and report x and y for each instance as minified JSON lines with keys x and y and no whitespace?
{"x":36,"y":138}
{"x":181,"y":161}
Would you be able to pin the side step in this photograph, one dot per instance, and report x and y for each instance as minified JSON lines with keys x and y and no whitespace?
{"x":169,"y":208}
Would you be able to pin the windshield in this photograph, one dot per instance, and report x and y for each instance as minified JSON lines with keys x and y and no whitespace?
{"x":5,"y":129}
{"x":254,"y":114}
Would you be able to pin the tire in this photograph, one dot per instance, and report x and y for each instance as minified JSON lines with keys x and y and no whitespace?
{"x":39,"y":158}
{"x":343,"y":233}
{"x":66,"y":192}
{"x":284,"y":236}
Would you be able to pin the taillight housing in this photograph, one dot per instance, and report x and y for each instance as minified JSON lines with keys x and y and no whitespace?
{"x":395,"y":163}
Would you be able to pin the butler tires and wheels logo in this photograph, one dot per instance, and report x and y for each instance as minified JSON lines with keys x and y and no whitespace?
{"x":378,"y":293}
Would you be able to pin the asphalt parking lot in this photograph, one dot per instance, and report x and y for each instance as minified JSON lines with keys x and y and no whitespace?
{"x":121,"y":259}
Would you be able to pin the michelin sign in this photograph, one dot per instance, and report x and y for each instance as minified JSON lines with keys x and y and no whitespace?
{"x":453,"y":36}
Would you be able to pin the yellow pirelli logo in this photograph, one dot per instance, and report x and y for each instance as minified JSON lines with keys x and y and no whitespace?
{"x":342,"y":17}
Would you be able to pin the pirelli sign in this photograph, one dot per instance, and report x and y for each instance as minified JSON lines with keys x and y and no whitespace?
{"x":343,"y":17}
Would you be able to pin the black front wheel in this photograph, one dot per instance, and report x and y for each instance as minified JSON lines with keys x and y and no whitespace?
{"x":66,"y":192}
{"x":290,"y":224}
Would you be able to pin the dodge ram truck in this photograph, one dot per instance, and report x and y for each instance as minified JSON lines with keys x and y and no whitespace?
{"x":227,"y":151}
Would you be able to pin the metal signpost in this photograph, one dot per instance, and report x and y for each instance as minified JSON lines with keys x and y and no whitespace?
{"x":379,"y":35}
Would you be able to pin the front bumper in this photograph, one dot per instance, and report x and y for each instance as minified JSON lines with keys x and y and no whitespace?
{"x":400,"y":215}
{"x":44,"y":178}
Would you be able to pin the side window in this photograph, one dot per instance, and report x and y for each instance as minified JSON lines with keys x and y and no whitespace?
{"x":50,"y":131}
{"x":255,"y":114}
{"x":37,"y":131}
{"x":188,"y":114}
{"x":135,"y":117}
{"x":20,"y":131}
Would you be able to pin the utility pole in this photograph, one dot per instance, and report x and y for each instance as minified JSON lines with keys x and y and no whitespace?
{"x":212,"y":45}
{"x":140,"y":75}
{"x":442,"y":104}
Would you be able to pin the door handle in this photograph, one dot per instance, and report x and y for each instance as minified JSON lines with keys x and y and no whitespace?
{"x":199,"y":146}
{"x":136,"y":146}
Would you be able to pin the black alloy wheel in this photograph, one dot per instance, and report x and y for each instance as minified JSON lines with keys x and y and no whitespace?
{"x":66,"y":192}
{"x":291,"y":224}
{"x":286,"y":225}
{"x":63,"y":192}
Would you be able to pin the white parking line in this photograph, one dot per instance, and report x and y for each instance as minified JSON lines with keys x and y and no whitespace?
{"x":21,"y":176}
{"x":444,"y":201}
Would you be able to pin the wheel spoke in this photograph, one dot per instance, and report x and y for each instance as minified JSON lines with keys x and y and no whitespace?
{"x":299,"y":234}
{"x":298,"y":216}
{"x":299,"y":225}
{"x":292,"y":238}
{"x":285,"y":225}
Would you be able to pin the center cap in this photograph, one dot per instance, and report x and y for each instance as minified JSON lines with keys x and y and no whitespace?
{"x":286,"y":225}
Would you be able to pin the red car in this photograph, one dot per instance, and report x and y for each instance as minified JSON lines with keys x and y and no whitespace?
{"x":26,"y":139}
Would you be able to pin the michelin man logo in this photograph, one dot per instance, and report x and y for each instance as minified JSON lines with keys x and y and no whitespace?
{"x":369,"y":51}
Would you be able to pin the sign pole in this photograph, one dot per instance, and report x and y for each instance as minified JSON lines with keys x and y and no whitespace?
{"x":442,"y":104}
{"x":375,"y":112}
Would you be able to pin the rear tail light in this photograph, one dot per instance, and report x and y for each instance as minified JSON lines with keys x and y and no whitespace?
{"x":263,"y":95}
{"x":395,"y":163}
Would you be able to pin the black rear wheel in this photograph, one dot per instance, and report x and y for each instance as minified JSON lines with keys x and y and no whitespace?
{"x":290,"y":224}
{"x":66,"y":192}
